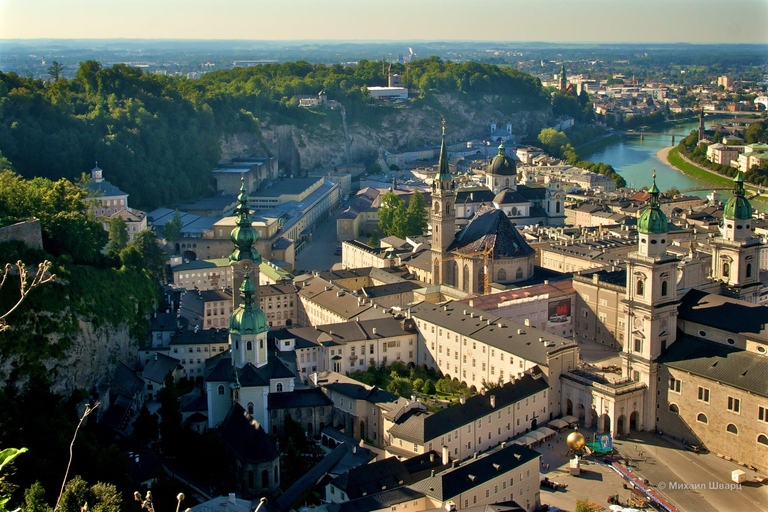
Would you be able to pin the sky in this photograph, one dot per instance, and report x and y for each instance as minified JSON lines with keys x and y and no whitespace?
{"x":668,"y":21}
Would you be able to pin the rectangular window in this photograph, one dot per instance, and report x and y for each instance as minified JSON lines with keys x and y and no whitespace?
{"x":703,"y":394}
{"x":674,"y":385}
{"x":734,"y":404}
{"x":762,"y":414}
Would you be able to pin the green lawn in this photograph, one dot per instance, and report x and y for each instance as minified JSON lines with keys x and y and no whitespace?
{"x":692,"y":170}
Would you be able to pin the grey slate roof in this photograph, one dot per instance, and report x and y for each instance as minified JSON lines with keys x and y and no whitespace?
{"x":378,"y":476}
{"x":390,"y":289}
{"x":159,"y":367}
{"x":163,"y":322}
{"x":311,"y":477}
{"x":512,"y":337}
{"x":346,"y":332}
{"x":419,"y":427}
{"x":718,"y":362}
{"x":125,"y":382}
{"x":249,"y":375}
{"x":201,"y":337}
{"x":721,"y":312}
{"x":454,"y":481}
{"x":245,"y":437}
{"x":378,"y":501}
{"x":104,"y":189}
{"x":491,"y":229}
{"x":313,"y":397}
{"x":474,"y":195}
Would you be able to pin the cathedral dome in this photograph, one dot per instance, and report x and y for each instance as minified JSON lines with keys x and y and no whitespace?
{"x":738,"y":207}
{"x":502,"y":165}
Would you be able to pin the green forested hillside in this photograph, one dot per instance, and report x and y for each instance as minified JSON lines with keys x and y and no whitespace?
{"x":158,"y":137}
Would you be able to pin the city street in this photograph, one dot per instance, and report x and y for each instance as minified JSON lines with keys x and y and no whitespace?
{"x":319,"y":252}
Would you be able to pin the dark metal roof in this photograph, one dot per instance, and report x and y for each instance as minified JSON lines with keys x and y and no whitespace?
{"x":509,"y":196}
{"x":718,"y":362}
{"x":420,"y":427}
{"x":311,"y":477}
{"x":313,"y":397}
{"x":455,"y":481}
{"x":474,"y":195}
{"x":159,"y":367}
{"x":378,"y":476}
{"x":245,"y":438}
{"x":491,"y":229}
{"x":721,"y":312}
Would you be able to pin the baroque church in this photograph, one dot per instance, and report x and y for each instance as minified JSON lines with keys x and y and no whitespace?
{"x":693,"y":363}
{"x":489,"y":249}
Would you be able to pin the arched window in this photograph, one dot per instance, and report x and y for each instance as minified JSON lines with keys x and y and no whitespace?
{"x":279,"y":387}
{"x":265,"y":479}
{"x":249,"y":346}
{"x":221,"y":389}
{"x":726,"y":269}
{"x":519,"y":273}
{"x":732,"y":429}
{"x":447,"y":208}
{"x":502,"y":275}
{"x":250,"y":408}
{"x":702,"y":418}
{"x":663,"y":288}
{"x":640,"y":288}
{"x":749,"y":270}
{"x":762,"y":439}
{"x":674,"y":409}
{"x":437,"y":207}
{"x":506,"y":182}
{"x":557,"y":206}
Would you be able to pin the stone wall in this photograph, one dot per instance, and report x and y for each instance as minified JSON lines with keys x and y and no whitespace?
{"x":27,"y":231}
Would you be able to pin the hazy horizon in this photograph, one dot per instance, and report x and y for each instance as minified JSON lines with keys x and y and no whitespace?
{"x":543,"y":21}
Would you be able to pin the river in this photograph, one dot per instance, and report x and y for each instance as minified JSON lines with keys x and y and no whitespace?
{"x":635,"y":160}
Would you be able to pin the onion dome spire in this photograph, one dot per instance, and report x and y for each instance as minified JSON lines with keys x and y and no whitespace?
{"x":248,"y":318}
{"x":243,"y":236}
{"x":738,"y":207}
{"x":653,"y":220}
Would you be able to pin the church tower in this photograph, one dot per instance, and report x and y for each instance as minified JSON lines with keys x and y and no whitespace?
{"x":650,"y":304}
{"x":501,"y":173}
{"x":248,"y":328}
{"x":736,"y":253}
{"x":443,"y":219}
{"x":563,"y":79}
{"x":244,"y":257}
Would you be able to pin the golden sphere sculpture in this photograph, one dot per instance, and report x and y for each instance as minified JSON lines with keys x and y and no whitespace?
{"x":575,"y":441}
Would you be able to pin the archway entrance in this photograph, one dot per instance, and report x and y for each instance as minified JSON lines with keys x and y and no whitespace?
{"x":593,"y":419}
{"x":582,"y":414}
{"x":605,"y":424}
{"x":534,"y":423}
{"x":634,"y":420}
{"x":190,"y":255}
{"x":620,"y":424}
{"x":568,"y":407}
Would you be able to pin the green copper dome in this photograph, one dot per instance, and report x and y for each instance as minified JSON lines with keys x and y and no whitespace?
{"x":653,"y":220}
{"x":738,"y":207}
{"x":248,"y":318}
{"x":244,"y":236}
{"x":501,"y":164}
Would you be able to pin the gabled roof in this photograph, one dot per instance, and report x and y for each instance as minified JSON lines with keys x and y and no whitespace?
{"x":420,"y":427}
{"x":490,"y":229}
{"x":245,"y":438}
{"x":125,"y":382}
{"x":104,"y":189}
{"x":475,"y":472}
{"x":159,"y":367}
{"x":720,"y":363}
{"x":378,"y":476}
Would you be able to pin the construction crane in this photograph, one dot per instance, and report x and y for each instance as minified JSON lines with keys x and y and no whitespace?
{"x":487,"y":255}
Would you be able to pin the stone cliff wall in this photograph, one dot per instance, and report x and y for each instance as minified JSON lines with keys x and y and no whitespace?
{"x":306,"y":147}
{"x":27,"y":231}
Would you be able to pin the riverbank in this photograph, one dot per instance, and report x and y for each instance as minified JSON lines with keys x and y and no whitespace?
{"x":672,"y":157}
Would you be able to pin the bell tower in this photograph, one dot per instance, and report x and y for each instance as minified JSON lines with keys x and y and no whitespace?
{"x":443,"y":218}
{"x":650,"y":304}
{"x":244,"y":255}
{"x":248,"y":328}
{"x":736,"y":253}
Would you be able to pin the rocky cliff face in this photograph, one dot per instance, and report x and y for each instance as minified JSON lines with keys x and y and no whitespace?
{"x":87,"y":363}
{"x":323,"y":145}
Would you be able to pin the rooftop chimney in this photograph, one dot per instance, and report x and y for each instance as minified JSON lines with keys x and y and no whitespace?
{"x":232,"y":498}
{"x":493,"y":401}
{"x":527,"y":322}
{"x":463,"y":399}
{"x":445,"y":456}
